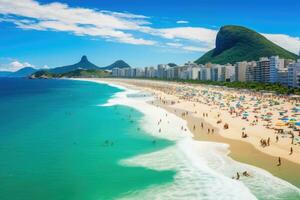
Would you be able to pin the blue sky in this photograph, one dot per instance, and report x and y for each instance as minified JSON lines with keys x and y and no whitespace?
{"x":44,"y":33}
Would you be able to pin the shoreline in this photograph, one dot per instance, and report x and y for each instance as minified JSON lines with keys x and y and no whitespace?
{"x":259,"y":159}
{"x":251,"y":155}
{"x":198,"y":163}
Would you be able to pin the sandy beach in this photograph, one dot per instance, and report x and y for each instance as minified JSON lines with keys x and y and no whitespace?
{"x":259,"y":128}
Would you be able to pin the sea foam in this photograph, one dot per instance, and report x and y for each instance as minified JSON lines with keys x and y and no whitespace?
{"x":203,"y":169}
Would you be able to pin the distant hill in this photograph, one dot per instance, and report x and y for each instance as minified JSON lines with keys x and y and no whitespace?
{"x":84,"y":69}
{"x":24,"y":72}
{"x":237,"y":43}
{"x":118,"y":64}
{"x":5,"y":73}
{"x":82,"y":64}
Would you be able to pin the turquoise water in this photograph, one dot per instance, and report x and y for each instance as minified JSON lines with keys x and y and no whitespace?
{"x":56,"y":143}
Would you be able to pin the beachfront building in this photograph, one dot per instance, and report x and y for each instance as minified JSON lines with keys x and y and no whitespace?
{"x":216,"y":72}
{"x":193,"y":73}
{"x":227,"y":73}
{"x":264,"y":66}
{"x":283,"y":76}
{"x":150,"y":72}
{"x":115,"y":72}
{"x":241,"y":71}
{"x":276,"y":65}
{"x":205,"y":74}
{"x":140,"y":72}
{"x":183,"y":72}
{"x":294,"y":74}
{"x":266,"y":70}
{"x":250,"y":71}
{"x":161,"y":70}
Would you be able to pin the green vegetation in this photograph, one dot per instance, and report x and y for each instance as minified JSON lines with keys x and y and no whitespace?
{"x":86,"y":74}
{"x":237,"y":43}
{"x":79,"y":73}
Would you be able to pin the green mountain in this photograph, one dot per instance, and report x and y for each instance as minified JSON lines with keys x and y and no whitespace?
{"x":78,"y":73}
{"x":82,"y":64}
{"x":117,"y":64}
{"x":237,"y":43}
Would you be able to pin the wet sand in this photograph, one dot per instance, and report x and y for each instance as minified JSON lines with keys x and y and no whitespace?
{"x":239,"y":150}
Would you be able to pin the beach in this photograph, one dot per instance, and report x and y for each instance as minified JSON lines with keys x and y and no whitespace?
{"x":203,"y":119}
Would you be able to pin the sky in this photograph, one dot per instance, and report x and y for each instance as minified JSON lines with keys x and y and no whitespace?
{"x":53,"y":33}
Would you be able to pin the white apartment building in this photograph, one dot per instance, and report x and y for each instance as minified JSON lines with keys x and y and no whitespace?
{"x":193,"y":73}
{"x":205,"y":74}
{"x":241,"y":71}
{"x":216,"y":72}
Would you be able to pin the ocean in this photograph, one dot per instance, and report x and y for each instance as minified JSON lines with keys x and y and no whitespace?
{"x":69,"y":140}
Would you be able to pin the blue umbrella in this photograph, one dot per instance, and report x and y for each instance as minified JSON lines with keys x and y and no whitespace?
{"x":297,"y":123}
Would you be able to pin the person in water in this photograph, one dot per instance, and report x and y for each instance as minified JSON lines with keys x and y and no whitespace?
{"x":237,"y":176}
{"x":245,"y":173}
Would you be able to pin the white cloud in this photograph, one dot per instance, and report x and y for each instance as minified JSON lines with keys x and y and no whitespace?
{"x":80,"y":21}
{"x":182,"y":22}
{"x":116,"y":26}
{"x":174,"y":44}
{"x":15,"y":65}
{"x":290,"y":43}
{"x":196,"y":49}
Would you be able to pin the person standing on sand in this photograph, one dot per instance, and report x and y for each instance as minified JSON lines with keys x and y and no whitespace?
{"x":277,"y":138}
{"x":268,"y":142}
{"x":291,"y":151}
{"x":208,"y":131}
{"x":279,"y":162}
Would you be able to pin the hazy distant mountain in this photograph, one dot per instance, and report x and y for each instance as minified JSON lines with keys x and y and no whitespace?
{"x":24,"y":72}
{"x":237,"y":43}
{"x":83,"y":68}
{"x":117,"y":64}
{"x":82,"y":64}
{"x":5,"y":73}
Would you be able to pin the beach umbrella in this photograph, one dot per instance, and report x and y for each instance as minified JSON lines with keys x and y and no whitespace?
{"x":297,"y":123}
{"x":293,"y":120}
{"x":280,"y":124}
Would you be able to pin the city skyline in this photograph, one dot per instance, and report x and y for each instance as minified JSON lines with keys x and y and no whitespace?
{"x":136,"y":32}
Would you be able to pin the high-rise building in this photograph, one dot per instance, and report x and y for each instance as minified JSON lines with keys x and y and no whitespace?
{"x":294,"y":74}
{"x":250,"y":71}
{"x":240,"y":71}
{"x":276,"y":65}
{"x":205,"y":74}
